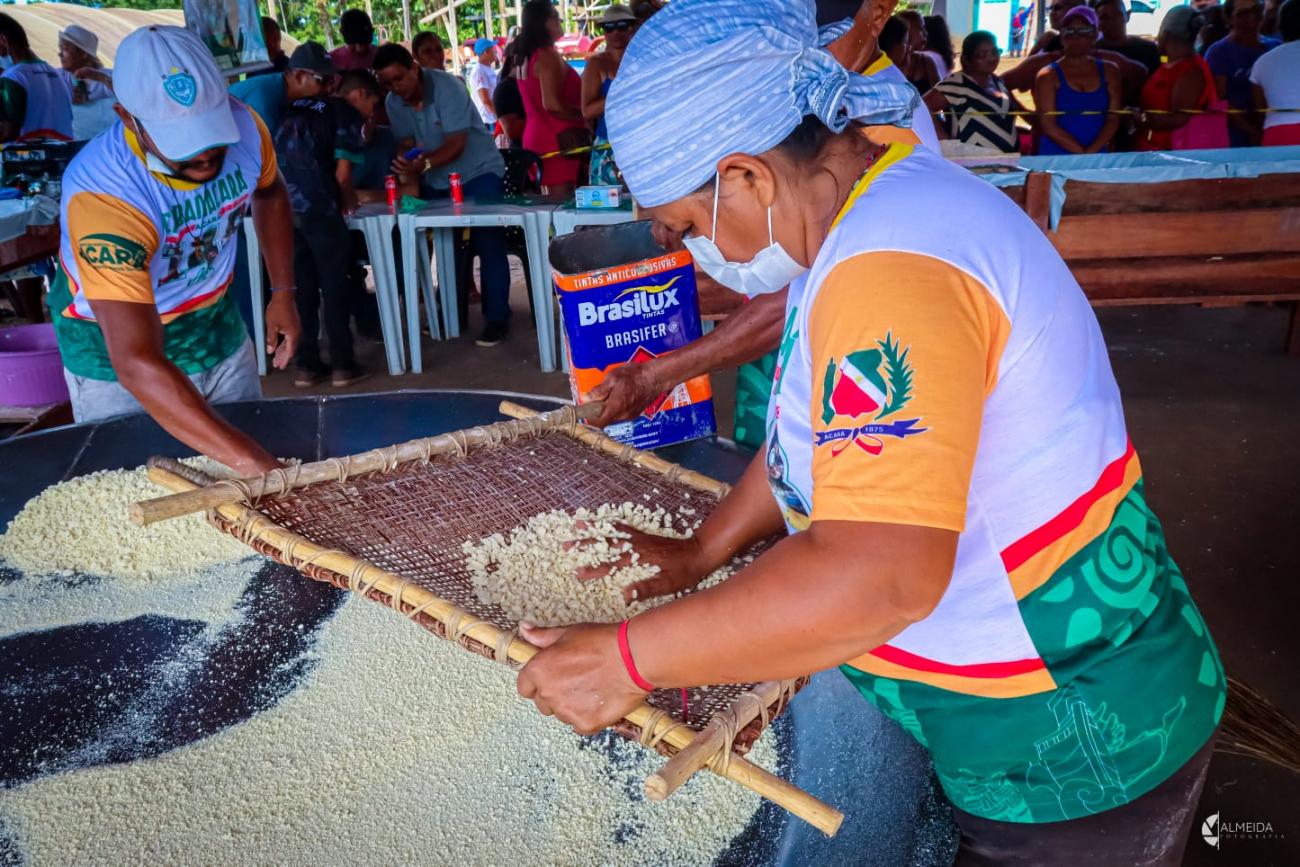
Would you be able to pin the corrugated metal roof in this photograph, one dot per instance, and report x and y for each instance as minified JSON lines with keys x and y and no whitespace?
{"x":43,"y":21}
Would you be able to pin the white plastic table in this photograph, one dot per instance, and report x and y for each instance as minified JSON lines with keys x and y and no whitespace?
{"x":441,"y":220}
{"x":566,"y":218}
{"x":376,"y":223}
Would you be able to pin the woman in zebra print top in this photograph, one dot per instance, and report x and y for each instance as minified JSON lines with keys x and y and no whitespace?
{"x":975,"y":102}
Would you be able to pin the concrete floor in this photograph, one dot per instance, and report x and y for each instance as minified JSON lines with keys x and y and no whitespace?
{"x":1214,"y":409}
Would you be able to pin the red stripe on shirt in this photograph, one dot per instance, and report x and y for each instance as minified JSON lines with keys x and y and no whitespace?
{"x":1019,"y":552}
{"x":981,"y":669}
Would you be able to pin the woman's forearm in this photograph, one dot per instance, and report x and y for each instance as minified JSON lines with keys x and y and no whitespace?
{"x":815,"y":600}
{"x":746,"y":515}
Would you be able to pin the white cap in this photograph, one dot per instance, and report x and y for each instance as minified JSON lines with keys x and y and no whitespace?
{"x":81,"y":38}
{"x":166,"y":78}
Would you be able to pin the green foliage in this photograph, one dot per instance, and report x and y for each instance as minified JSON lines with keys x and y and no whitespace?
{"x":899,"y":373}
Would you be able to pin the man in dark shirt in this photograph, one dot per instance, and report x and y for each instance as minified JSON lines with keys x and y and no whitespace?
{"x":1112,"y":16}
{"x":317,"y":144}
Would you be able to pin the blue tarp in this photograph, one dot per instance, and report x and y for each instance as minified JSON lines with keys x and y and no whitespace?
{"x":1149,"y":168}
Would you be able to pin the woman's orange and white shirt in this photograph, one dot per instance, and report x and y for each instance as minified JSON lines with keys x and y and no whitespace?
{"x":941,"y":367}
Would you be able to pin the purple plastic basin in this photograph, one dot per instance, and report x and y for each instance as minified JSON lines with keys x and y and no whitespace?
{"x":31,"y":372}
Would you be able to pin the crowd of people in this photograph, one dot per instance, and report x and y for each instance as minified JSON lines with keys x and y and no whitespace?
{"x":1215,"y":76}
{"x":341,"y":124}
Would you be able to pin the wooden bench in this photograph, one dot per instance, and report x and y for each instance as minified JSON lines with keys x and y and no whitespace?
{"x":1224,"y":241}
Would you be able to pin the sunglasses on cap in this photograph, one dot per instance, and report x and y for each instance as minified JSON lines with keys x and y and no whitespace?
{"x":1079,"y":31}
{"x":612,"y":26}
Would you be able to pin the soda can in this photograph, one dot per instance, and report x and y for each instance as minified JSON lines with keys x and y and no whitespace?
{"x":457,"y":188}
{"x":390,"y":188}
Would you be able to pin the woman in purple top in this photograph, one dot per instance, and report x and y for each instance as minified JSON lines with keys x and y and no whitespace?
{"x":1231,"y":59}
{"x":1086,"y":89}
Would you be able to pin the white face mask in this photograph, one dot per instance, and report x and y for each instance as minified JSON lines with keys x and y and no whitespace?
{"x":151,"y":160}
{"x":770,"y":271}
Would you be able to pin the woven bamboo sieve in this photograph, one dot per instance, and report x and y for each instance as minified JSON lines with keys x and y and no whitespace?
{"x":389,"y":524}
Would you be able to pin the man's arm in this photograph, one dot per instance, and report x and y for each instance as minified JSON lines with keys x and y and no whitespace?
{"x":1023,"y":75}
{"x":752,"y":332}
{"x":486,"y":97}
{"x":1133,"y":73}
{"x":347,"y":193}
{"x":451,"y":148}
{"x":13,"y":109}
{"x":273,"y":221}
{"x":134,"y":336}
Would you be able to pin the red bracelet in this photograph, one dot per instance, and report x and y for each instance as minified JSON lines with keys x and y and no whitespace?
{"x":626,"y":652}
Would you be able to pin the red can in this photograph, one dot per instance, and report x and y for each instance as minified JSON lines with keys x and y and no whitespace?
{"x":390,"y":188}
{"x":457,"y":188}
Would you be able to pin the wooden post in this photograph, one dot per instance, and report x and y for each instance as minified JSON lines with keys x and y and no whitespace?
{"x":1038,"y":198}
{"x":455,"y":36}
{"x":327,"y":27}
{"x":406,"y":21}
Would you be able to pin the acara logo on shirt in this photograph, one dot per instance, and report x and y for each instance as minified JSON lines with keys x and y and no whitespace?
{"x":112,"y":252}
{"x":863,"y":389}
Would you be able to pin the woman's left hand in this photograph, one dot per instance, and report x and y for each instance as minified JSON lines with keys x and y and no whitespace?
{"x":578,"y":677}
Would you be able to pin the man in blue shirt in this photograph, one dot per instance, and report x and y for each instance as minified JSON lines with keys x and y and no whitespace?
{"x":308,"y":75}
{"x":432,"y":111}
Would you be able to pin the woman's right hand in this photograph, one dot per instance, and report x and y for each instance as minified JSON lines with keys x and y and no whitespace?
{"x":681,"y":565}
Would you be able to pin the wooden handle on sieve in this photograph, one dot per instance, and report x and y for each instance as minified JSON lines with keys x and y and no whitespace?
{"x":706,"y":746}
{"x":585,"y":411}
{"x":202,"y":499}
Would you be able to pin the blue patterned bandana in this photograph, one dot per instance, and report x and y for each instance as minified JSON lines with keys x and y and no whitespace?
{"x":706,"y":78}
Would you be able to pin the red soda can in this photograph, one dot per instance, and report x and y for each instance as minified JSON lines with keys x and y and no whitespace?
{"x":390,"y":188}
{"x":457,"y":188}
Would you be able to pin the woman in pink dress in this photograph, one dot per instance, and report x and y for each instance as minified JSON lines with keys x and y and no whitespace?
{"x":552,"y":94}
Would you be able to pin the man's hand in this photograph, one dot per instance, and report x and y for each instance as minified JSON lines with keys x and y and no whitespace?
{"x":578,"y":677}
{"x":282,"y":328}
{"x":406,"y":169}
{"x":626,"y":391}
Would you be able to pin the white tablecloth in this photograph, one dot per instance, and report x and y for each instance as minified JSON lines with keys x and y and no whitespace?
{"x":17,"y":214}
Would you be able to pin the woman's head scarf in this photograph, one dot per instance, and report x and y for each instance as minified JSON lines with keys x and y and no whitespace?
{"x":707,"y":78}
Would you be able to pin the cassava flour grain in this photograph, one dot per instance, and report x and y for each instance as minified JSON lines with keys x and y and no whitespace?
{"x":80,"y":527}
{"x":531,"y":572}
{"x":399,"y":748}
